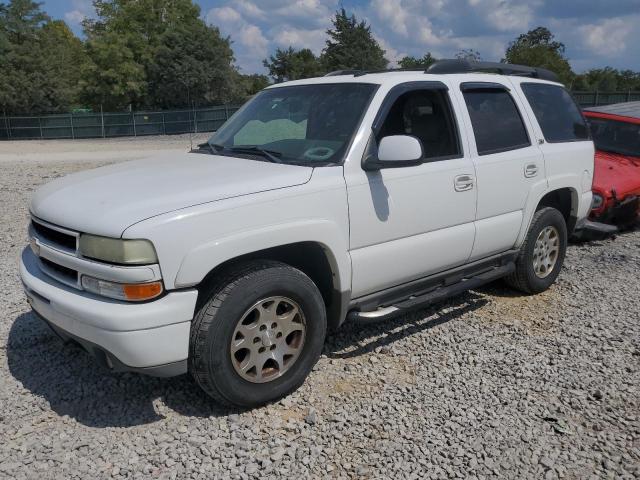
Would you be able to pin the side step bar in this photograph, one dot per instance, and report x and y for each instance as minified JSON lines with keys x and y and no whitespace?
{"x":437,"y":294}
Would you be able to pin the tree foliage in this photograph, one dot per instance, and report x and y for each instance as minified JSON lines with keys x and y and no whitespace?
{"x":156,"y":53}
{"x":290,"y":64}
{"x":161,"y":54}
{"x":469,"y":54}
{"x":39,"y":60}
{"x":607,"y":79}
{"x":253,"y":83}
{"x":539,"y":48}
{"x":411,"y":62}
{"x":351,"y":46}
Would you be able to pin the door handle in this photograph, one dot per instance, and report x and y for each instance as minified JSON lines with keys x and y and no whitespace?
{"x":462,"y":183}
{"x":530,"y":170}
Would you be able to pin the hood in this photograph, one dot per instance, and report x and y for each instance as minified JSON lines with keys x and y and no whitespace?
{"x":107,"y":200}
{"x":616,"y":172}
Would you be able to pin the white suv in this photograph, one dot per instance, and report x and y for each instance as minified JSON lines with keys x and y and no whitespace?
{"x":355,"y":195}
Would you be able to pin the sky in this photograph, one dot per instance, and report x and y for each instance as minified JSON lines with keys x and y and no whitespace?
{"x":596,"y":33}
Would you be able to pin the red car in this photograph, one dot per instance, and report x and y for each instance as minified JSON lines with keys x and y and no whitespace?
{"x":616,"y":182}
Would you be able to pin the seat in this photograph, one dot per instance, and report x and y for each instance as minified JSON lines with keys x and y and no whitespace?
{"x":424,"y":119}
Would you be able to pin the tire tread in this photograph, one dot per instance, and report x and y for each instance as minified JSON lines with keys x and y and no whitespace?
{"x":519,"y":278}
{"x":206,"y":315}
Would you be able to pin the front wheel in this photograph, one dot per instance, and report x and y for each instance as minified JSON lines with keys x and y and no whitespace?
{"x":542,"y":254}
{"x":259,"y":334}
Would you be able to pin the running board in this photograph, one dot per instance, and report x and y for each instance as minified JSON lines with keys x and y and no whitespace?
{"x":436,"y":295}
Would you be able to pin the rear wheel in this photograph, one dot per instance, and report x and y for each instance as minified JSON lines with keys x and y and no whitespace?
{"x":542,"y":254}
{"x":258,"y":335}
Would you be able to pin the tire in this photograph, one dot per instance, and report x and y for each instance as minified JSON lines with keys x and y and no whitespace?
{"x":525,"y":278}
{"x":236,"y":309}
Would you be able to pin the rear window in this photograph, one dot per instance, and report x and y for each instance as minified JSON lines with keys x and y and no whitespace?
{"x":497,"y":124}
{"x":557,"y":113}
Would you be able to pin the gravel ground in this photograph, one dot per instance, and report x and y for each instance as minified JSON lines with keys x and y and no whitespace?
{"x":488,"y":384}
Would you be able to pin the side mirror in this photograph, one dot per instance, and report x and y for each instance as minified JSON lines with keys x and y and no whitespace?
{"x":395,"y":151}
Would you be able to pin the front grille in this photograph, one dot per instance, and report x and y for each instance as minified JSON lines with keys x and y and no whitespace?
{"x":64,"y":274}
{"x":54,"y":237}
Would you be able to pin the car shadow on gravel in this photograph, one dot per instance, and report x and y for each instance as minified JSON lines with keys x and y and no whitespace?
{"x":368,"y":337}
{"x":73,"y":384}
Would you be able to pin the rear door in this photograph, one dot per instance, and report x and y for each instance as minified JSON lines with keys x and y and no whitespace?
{"x":507,"y":163}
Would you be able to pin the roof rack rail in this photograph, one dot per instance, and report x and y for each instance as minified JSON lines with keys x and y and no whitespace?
{"x":465,"y":66}
{"x":345,"y":72}
{"x":359,"y":73}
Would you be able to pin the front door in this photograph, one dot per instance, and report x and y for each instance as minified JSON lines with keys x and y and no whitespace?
{"x":407,"y":223}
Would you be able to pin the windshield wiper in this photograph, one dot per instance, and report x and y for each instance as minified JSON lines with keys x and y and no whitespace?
{"x":272,"y":155}
{"x":213,"y":147}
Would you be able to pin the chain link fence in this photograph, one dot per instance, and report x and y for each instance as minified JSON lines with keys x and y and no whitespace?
{"x":133,"y":124}
{"x":593,"y":99}
{"x":105,"y":125}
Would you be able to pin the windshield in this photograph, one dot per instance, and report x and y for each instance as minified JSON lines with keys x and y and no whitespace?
{"x":307,"y":124}
{"x":615,"y":136}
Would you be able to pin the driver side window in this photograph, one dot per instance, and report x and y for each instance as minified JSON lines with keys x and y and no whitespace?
{"x":426,"y":115}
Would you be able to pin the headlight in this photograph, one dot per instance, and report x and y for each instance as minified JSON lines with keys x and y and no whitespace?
{"x":135,"y":292}
{"x":597,"y":201}
{"x":118,"y":250}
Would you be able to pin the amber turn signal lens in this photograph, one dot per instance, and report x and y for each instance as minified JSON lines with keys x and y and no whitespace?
{"x":142,"y":291}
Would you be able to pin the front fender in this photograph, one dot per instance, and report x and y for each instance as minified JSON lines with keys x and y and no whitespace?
{"x":204,"y":258}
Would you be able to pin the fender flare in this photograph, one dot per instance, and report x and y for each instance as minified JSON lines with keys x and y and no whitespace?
{"x":534,"y":200}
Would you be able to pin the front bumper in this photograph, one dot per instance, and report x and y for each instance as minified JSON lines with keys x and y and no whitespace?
{"x":150,"y":337}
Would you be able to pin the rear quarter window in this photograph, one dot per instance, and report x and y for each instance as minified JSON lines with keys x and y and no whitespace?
{"x":557,"y":113}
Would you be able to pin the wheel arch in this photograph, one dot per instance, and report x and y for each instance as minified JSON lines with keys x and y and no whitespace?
{"x":564,"y":199}
{"x":314,"y":259}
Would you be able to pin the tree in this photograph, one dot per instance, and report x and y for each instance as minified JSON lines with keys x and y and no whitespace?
{"x":192,"y":65}
{"x":538,"y":48}
{"x":351,"y":46}
{"x":112,"y":79}
{"x":469,"y":54}
{"x":253,"y":83}
{"x":292,"y":64}
{"x":607,"y":79}
{"x":39,"y":60}
{"x":65,"y":58}
{"x":411,"y":62}
{"x":156,"y":53}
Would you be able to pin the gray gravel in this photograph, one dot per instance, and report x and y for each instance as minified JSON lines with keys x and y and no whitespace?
{"x":488,"y":384}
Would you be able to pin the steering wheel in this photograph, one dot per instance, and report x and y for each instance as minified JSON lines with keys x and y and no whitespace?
{"x":319,"y":153}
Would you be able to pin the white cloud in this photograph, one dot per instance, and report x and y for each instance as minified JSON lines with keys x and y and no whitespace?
{"x":223,"y":14}
{"x":250,"y":9}
{"x":81,"y":10}
{"x":506,"y":15}
{"x":391,"y":54}
{"x":296,"y":38}
{"x":251,"y":37}
{"x":393,"y":12}
{"x":74,"y":17}
{"x":414,"y":27}
{"x":609,"y":37}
